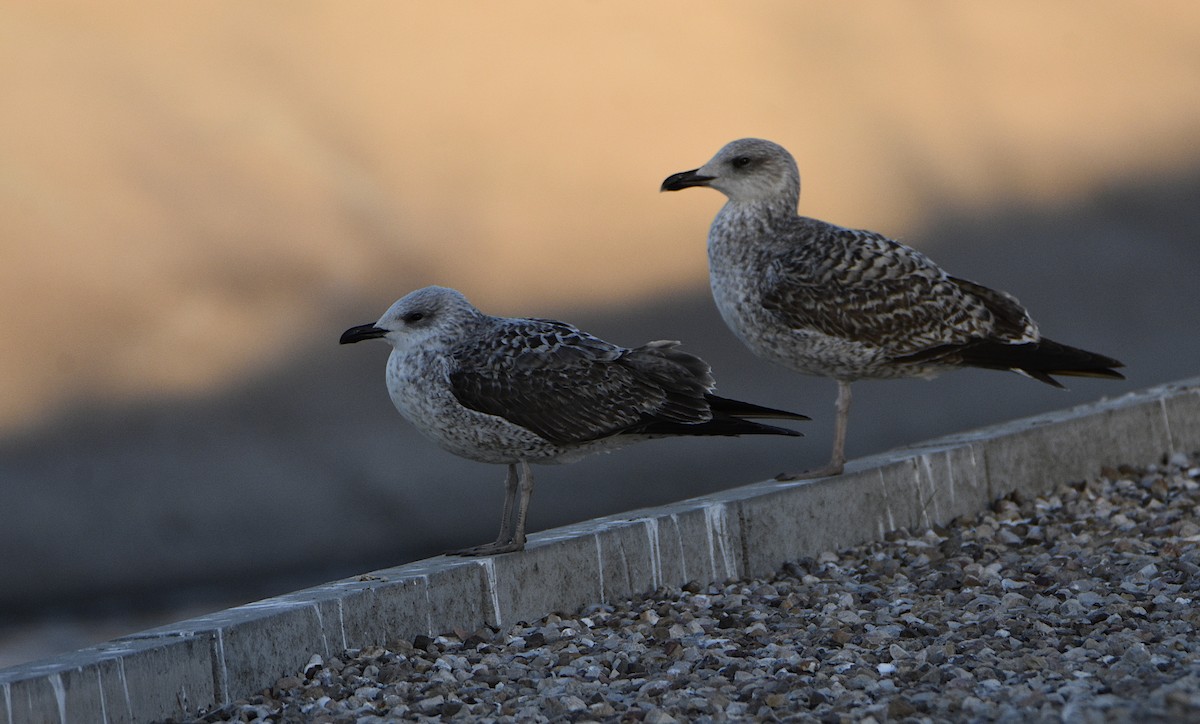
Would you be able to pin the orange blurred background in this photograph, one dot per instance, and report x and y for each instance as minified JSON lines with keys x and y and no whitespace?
{"x":190,"y":188}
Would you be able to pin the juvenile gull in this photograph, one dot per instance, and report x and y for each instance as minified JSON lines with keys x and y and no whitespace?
{"x":521,"y":391}
{"x":853,"y":304}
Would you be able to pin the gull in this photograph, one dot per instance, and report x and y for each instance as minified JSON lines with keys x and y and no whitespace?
{"x":521,"y":391}
{"x":849,"y":303}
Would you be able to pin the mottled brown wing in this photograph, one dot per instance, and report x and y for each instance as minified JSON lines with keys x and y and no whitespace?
{"x":566,"y":385}
{"x":869,"y":289}
{"x":1011,"y":323}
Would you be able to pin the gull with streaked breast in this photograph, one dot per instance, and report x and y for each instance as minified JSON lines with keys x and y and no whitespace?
{"x":848,"y":303}
{"x":520,"y":391}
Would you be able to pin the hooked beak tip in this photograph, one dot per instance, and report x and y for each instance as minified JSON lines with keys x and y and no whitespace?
{"x":685,"y":179}
{"x":361,"y":332}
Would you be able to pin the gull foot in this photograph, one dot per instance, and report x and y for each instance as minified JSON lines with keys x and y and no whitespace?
{"x":489,"y":549}
{"x":826,"y":472}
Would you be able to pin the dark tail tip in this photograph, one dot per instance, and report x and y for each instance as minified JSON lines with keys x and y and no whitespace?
{"x":737,"y":408}
{"x":1042,"y":359}
{"x":721,"y":425}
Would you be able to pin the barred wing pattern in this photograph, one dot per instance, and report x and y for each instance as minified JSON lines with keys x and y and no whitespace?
{"x":570,"y":387}
{"x":867,"y":288}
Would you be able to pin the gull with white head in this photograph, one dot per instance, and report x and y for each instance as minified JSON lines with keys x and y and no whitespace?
{"x":521,"y":391}
{"x":852,"y":304}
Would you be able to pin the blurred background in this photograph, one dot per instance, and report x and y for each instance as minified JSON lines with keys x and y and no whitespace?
{"x":197,"y":198}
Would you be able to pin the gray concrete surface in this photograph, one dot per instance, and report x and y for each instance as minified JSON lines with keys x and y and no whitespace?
{"x":176,"y":670}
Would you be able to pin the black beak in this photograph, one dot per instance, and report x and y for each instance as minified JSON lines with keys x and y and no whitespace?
{"x":685,"y":179}
{"x":361,"y":332}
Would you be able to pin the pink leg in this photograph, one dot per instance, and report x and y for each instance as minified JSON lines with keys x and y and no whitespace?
{"x":837,"y":463}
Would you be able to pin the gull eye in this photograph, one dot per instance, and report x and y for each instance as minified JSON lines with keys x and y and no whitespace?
{"x":413,"y":317}
{"x":741,"y":162}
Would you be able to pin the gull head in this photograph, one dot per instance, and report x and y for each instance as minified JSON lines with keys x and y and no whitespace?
{"x":746,"y":170}
{"x":418,"y":319}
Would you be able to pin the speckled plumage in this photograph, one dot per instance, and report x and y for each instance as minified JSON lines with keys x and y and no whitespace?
{"x":852,"y":304}
{"x":520,"y":391}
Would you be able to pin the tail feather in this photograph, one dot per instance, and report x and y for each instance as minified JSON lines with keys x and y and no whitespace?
{"x":737,"y":408}
{"x":729,"y":426}
{"x":728,"y":418}
{"x":1040,"y":360}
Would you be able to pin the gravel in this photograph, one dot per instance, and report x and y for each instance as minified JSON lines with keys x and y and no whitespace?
{"x":1077,"y":606}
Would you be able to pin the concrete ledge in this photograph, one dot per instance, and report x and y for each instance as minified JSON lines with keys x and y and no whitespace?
{"x":206,"y":662}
